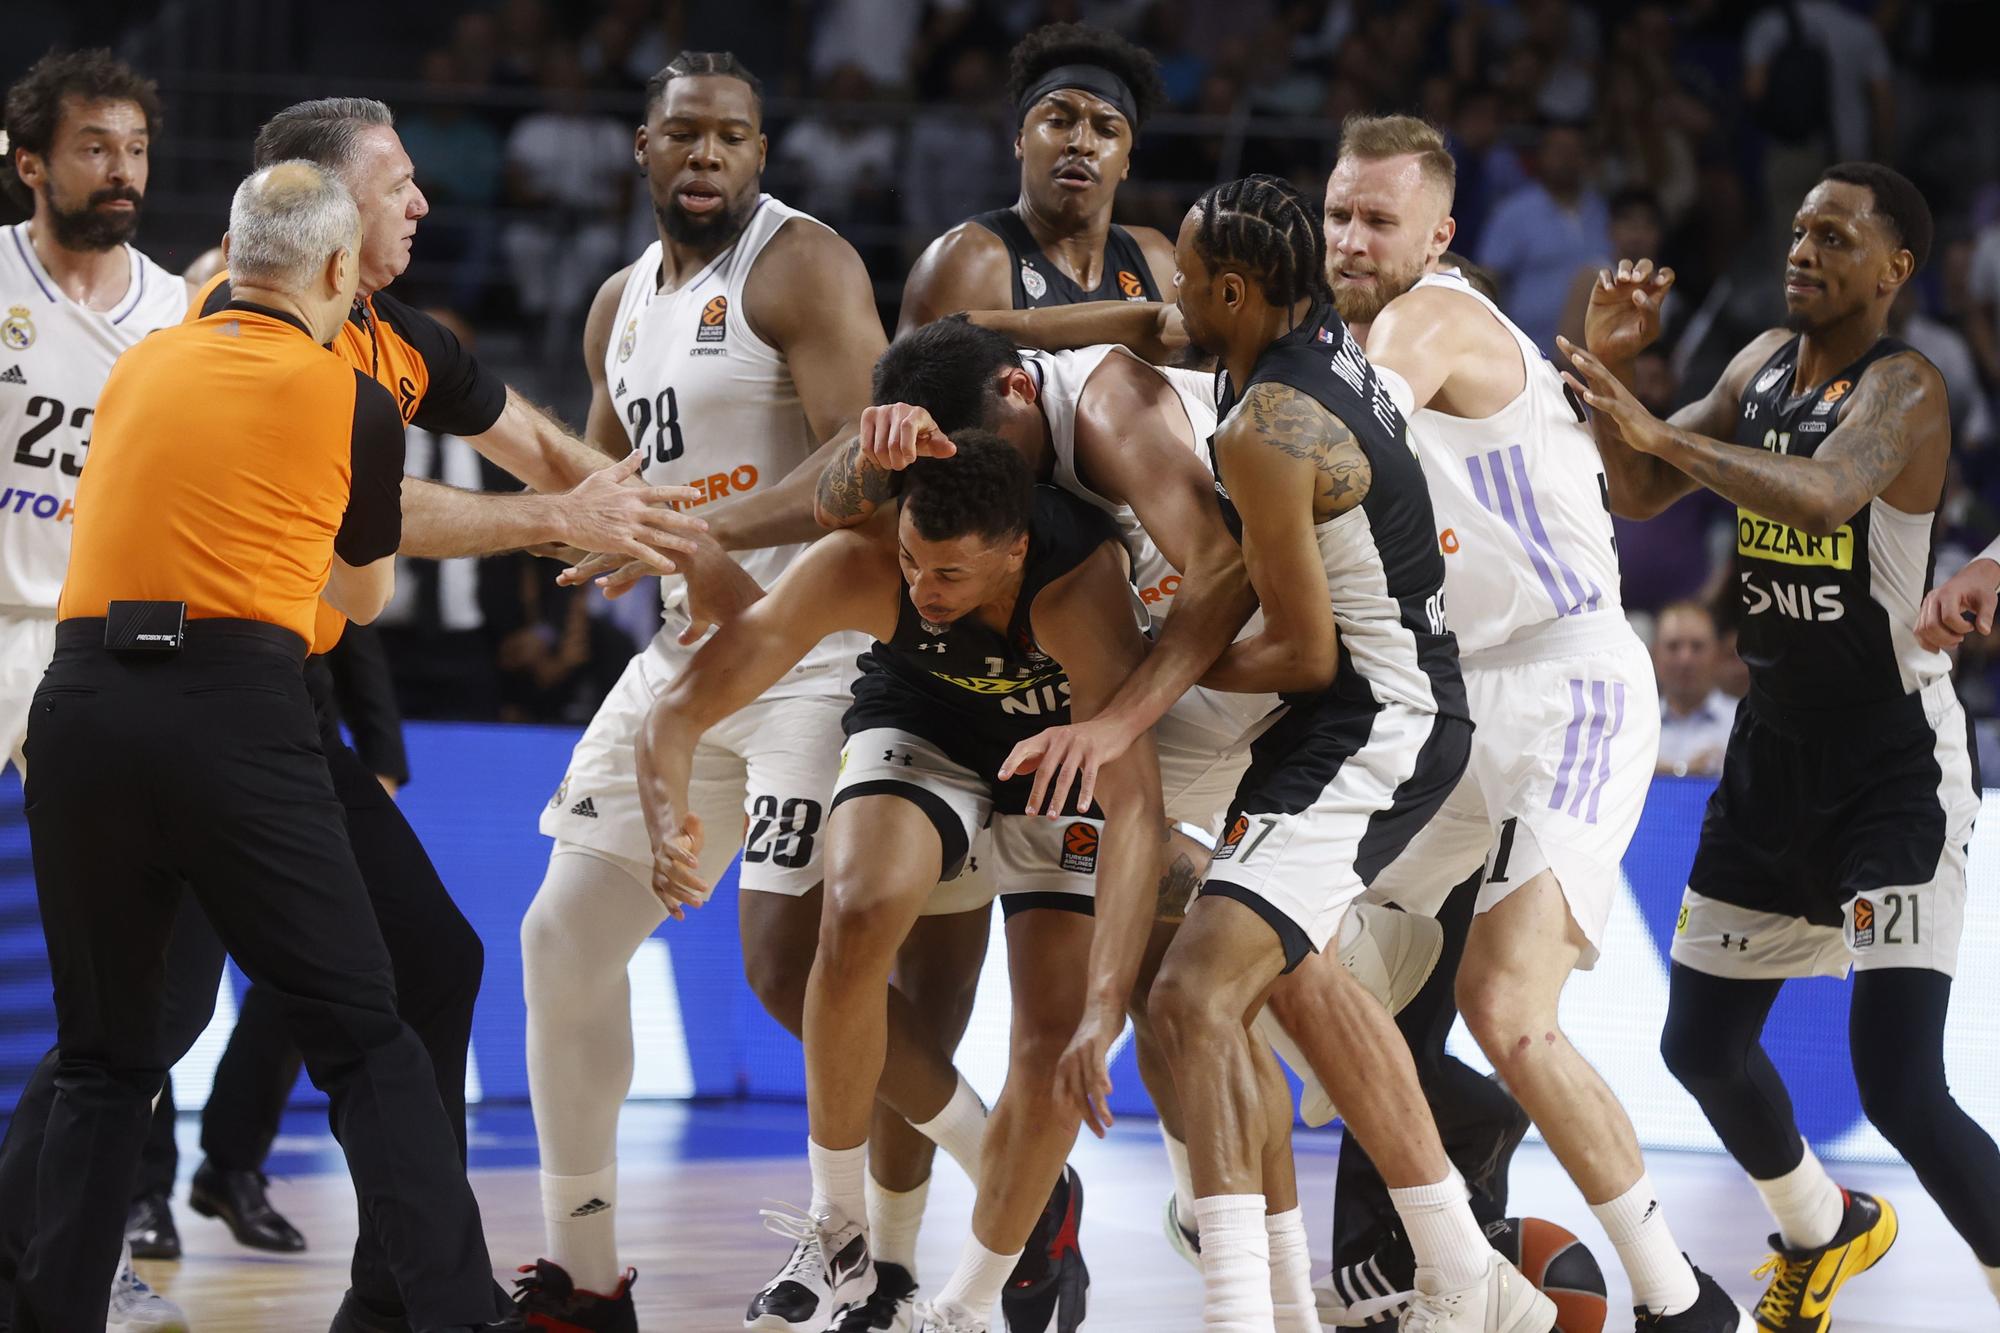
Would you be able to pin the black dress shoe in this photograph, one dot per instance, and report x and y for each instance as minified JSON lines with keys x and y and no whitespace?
{"x":237,"y":1197}
{"x":150,"y":1228}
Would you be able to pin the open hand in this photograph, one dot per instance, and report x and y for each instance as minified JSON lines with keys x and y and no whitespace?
{"x":1083,"y":1076}
{"x":605,"y":513}
{"x":1062,"y":757}
{"x":1597,"y":386}
{"x":1623,"y":316}
{"x":676,"y":861}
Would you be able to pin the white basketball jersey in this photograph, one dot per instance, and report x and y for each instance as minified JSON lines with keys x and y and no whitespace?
{"x":1063,"y":376}
{"x":713,"y":406}
{"x":54,"y":357}
{"x":1522,"y":511}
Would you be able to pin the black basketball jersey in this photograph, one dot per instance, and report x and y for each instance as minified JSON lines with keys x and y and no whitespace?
{"x":1828,"y":622}
{"x":1038,"y":282}
{"x":1383,"y":567}
{"x":972,"y":690}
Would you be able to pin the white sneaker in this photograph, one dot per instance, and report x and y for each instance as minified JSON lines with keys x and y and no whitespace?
{"x":947,"y":1319}
{"x":1185,"y":1239}
{"x":1501,"y":1301}
{"x":829,"y":1268}
{"x":136,"y":1307}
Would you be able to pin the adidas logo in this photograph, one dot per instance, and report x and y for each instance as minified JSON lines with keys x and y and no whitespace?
{"x":594,"y":1206}
{"x":13,"y":375}
{"x":620,"y":392}
{"x":585,"y":807}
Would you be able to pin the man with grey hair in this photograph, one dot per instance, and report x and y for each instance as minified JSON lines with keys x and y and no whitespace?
{"x":175,"y":689}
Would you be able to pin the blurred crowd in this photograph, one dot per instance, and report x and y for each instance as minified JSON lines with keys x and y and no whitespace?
{"x":1585,"y":131}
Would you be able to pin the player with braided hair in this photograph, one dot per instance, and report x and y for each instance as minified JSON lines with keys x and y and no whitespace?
{"x":1315,"y":473}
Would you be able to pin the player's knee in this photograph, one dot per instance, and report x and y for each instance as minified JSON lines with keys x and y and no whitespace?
{"x":1695,"y":1059}
{"x":1183,"y":1005}
{"x":858,"y":935}
{"x":1901,"y":1101}
{"x":779,"y":984}
{"x":1501,"y":1015}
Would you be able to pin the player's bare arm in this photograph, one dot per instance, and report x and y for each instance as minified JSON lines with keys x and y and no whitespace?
{"x":1133,"y":446}
{"x":868,"y":472}
{"x":810,"y":297}
{"x":1158,"y":248}
{"x":1151,"y":329}
{"x":1451,"y":352}
{"x":1898,"y":414}
{"x":849,"y":581}
{"x":1288,"y":464}
{"x":1084,"y":621}
{"x":967,"y":268}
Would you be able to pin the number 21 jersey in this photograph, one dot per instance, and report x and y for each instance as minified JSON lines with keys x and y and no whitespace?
{"x":713,"y":406}
{"x":54,"y":357}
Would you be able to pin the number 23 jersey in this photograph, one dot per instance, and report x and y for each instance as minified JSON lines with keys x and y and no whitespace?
{"x":713,"y":406}
{"x":54,"y":357}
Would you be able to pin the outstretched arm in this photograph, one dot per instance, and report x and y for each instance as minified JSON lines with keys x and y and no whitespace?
{"x":1084,"y":620}
{"x":1150,"y":329}
{"x":1282,"y":456}
{"x":845,"y":582}
{"x":1899,"y":402}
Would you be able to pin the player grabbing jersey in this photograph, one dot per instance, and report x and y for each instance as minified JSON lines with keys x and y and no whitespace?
{"x":1010,"y":609}
{"x":1338,"y":535}
{"x":1836,"y":839}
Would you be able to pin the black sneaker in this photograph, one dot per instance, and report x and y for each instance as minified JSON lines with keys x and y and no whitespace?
{"x":892,"y":1309}
{"x":1712,"y":1312}
{"x":546,"y":1298}
{"x":1049,"y":1288}
{"x":1373,"y":1290}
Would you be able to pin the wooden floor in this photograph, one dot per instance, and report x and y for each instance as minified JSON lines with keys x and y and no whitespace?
{"x":692,"y":1179}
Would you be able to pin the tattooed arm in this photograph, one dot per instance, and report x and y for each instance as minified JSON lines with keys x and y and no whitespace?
{"x":852,"y":488}
{"x":1288,"y":464}
{"x":1899,"y":404}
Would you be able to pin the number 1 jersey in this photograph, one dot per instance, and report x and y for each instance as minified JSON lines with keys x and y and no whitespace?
{"x":713,"y":406}
{"x":54,"y":357}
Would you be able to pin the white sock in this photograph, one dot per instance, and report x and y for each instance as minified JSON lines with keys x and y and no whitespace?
{"x":1662,"y":1281}
{"x":1291,"y":1273}
{"x":580,"y":1215}
{"x":1807,"y":1204}
{"x":1235,"y":1264}
{"x":1444,"y":1235}
{"x":975,"y":1284}
{"x":839,"y":1176}
{"x":893,"y":1221}
{"x":1992,"y":1280}
{"x":1177,"y":1161}
{"x":959,"y":1129}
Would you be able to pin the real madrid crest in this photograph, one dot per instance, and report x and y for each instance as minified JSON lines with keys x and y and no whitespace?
{"x":1036,"y":285}
{"x":17,"y":331}
{"x":629,"y":340}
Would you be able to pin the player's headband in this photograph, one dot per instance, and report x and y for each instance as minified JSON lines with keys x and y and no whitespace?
{"x":1093,"y":79}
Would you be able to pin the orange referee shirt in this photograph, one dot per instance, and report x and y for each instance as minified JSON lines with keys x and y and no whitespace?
{"x":232,"y":457}
{"x":436,"y":383}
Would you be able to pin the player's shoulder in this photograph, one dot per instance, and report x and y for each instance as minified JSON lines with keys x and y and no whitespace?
{"x":801,"y":242}
{"x":970,"y":242}
{"x":1753,"y":356}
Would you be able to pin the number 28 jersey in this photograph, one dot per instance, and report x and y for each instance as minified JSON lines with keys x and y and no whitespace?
{"x":713,"y":406}
{"x":54,"y":358}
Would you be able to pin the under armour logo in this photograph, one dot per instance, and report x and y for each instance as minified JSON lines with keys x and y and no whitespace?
{"x":1742,"y":942}
{"x":1749,"y":411}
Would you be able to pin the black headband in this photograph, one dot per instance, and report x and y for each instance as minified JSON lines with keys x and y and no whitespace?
{"x":1093,"y":79}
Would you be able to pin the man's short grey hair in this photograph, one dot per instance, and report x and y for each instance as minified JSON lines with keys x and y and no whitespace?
{"x":325,"y":130}
{"x":285,"y":222}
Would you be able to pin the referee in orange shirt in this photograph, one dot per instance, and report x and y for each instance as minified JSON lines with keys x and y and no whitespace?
{"x":239,"y":472}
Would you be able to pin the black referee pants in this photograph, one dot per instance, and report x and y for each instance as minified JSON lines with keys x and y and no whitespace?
{"x":150,"y":775}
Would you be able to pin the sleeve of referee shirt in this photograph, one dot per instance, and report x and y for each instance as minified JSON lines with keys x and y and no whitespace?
{"x":372,"y":527}
{"x":464,"y":398}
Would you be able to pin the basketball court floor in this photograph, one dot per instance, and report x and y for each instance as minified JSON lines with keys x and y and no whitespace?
{"x":694,"y":1175}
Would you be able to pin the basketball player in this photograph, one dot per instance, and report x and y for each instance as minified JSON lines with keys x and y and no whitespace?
{"x":1836,"y":840}
{"x":1128,"y":438}
{"x":1011,"y":609}
{"x":1338,"y":537}
{"x":1080,"y":95}
{"x":736,"y":344}
{"x":75,"y":293}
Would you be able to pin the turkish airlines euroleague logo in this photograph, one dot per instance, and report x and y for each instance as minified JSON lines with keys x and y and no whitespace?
{"x":1128,"y":283}
{"x":1234,"y":838}
{"x":1864,"y":923}
{"x":1079,"y":849}
{"x":714,"y":321}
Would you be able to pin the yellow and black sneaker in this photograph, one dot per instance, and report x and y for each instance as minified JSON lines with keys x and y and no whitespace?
{"x":1804,"y":1282}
